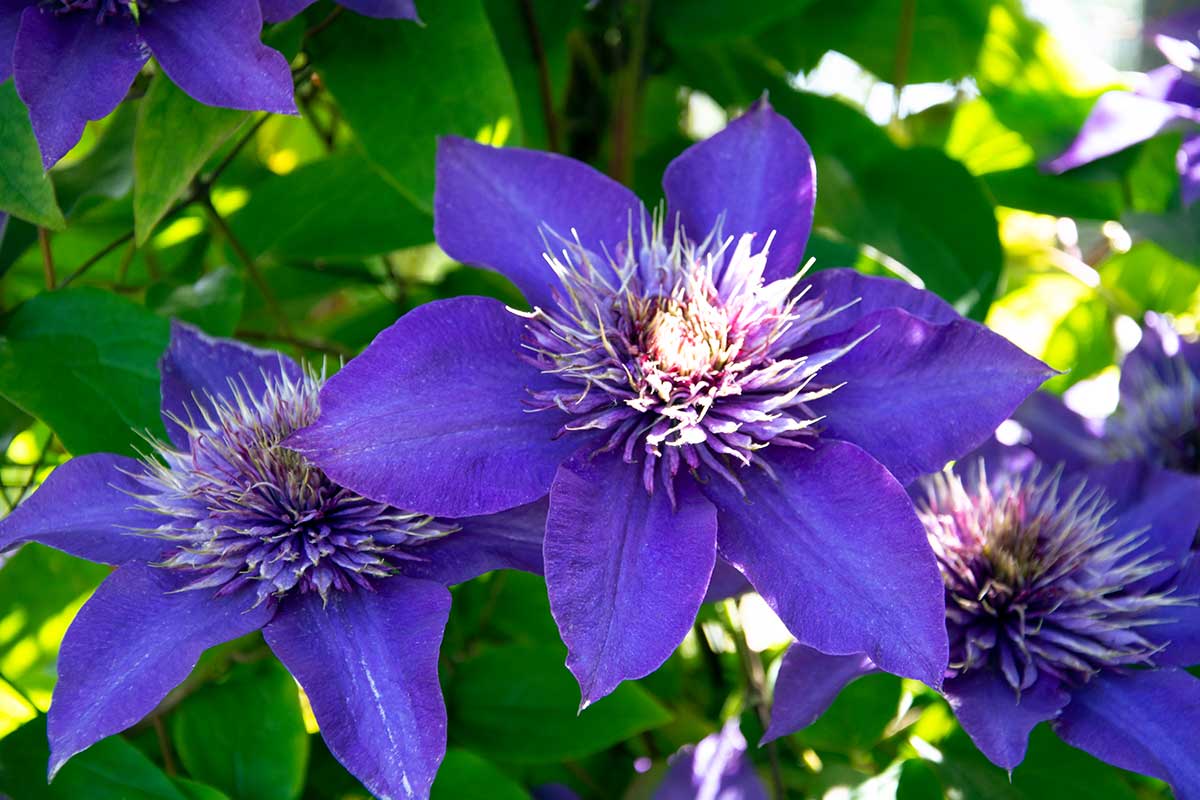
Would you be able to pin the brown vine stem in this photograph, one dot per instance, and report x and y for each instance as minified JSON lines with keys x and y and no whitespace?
{"x":904,"y":46}
{"x":545,"y":88}
{"x":47,"y":257}
{"x":626,"y":102}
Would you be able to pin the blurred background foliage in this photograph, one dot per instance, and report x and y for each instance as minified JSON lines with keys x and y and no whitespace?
{"x":928,"y":121}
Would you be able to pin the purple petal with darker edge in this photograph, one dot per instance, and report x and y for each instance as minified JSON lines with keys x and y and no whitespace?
{"x":999,"y":723}
{"x":369,"y":664}
{"x":282,"y":10}
{"x":70,"y":70}
{"x":834,"y":546}
{"x":197,"y":367}
{"x":10,"y":21}
{"x":383,"y":9}
{"x":86,"y":508}
{"x":1172,"y":85}
{"x":1056,"y":434}
{"x":131,"y":644}
{"x":716,"y":768}
{"x":1145,"y":722}
{"x":1118,"y":120}
{"x":808,"y":683}
{"x":759,"y":173}
{"x":625,"y":572}
{"x":1180,"y":632}
{"x":491,"y":206}
{"x":211,"y":50}
{"x":909,"y":372}
{"x":860,"y":295}
{"x":430,"y":417}
{"x":505,"y":540}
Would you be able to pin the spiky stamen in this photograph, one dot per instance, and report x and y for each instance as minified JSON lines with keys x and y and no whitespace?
{"x":241,"y":508}
{"x":1163,"y":424}
{"x":1038,"y":582}
{"x":678,"y":353}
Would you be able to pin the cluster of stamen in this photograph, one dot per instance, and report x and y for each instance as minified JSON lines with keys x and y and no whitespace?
{"x":1038,"y":582}
{"x":676,"y":354}
{"x":240,"y":508}
{"x":103,"y":9}
{"x":1163,"y":424}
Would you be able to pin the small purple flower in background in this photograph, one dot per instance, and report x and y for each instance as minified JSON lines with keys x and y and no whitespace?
{"x":1167,"y":98}
{"x":283,"y":10}
{"x":74,"y":60}
{"x":715,"y":768}
{"x":680,"y":393}
{"x":227,"y":532}
{"x":1071,"y":597}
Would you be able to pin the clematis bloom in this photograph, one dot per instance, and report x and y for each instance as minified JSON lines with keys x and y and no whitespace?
{"x":1071,"y":597}
{"x":74,"y":60}
{"x":681,"y":392}
{"x":1166,"y":98}
{"x":227,"y":532}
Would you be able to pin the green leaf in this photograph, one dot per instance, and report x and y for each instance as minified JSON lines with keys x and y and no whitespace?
{"x":1070,"y":195}
{"x":25,"y":189}
{"x":175,"y":136}
{"x":193,"y":790}
{"x":338,"y":207}
{"x":464,"y":774}
{"x":111,"y":769}
{"x":67,"y":351}
{"x":859,"y":716}
{"x":400,"y":86}
{"x":1151,"y":279}
{"x":39,"y":590}
{"x":213,"y":302}
{"x":520,"y":704}
{"x":107,"y":169}
{"x":245,"y":735}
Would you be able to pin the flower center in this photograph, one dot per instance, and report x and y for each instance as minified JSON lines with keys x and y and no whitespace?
{"x":1037,"y":581}
{"x":103,"y":9}
{"x":243,"y":509}
{"x":1162,"y":424}
{"x":686,"y":339}
{"x":675,"y":353}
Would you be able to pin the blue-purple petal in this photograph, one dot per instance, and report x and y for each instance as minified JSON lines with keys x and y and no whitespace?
{"x":1118,"y":120}
{"x":1188,"y":161}
{"x":1156,"y":359}
{"x":1056,"y":434}
{"x":726,"y":582}
{"x":368,"y":662}
{"x":86,"y":508}
{"x":383,"y":9}
{"x":197,"y":368}
{"x":715,"y":768}
{"x":430,"y":417}
{"x":504,"y":540}
{"x":758,"y":175}
{"x":70,"y":70}
{"x":625,"y":571}
{"x":10,"y":21}
{"x":989,"y":711}
{"x":1180,"y":629}
{"x":282,"y":10}
{"x":1145,"y":722}
{"x":808,"y":683}
{"x":212,"y":50}
{"x":833,"y":544}
{"x":494,"y":207}
{"x":131,"y":644}
{"x":859,"y":295}
{"x":908,"y":373}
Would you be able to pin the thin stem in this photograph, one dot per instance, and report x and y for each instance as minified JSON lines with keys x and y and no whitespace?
{"x":318,"y":345}
{"x":164,"y":746}
{"x":553,"y":128}
{"x":904,"y":45}
{"x":243,"y":255}
{"x":325,"y":23}
{"x":756,"y":685}
{"x":625,"y":107}
{"x":233,"y":152}
{"x":47,"y":257}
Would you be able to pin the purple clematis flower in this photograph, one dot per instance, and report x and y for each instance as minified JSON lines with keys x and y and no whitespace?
{"x":227,"y":532}
{"x":283,"y":10}
{"x":715,"y":768}
{"x":1072,"y":596}
{"x":681,"y":394}
{"x":1167,"y":98}
{"x":74,"y":60}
